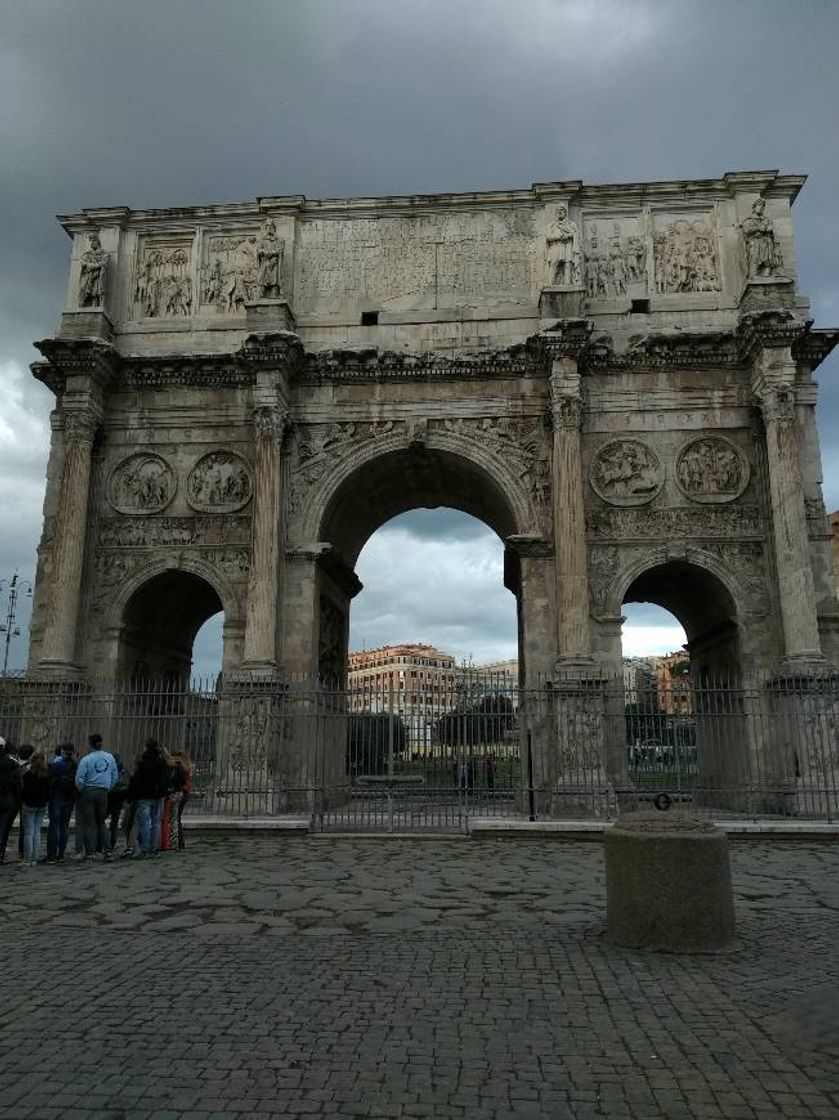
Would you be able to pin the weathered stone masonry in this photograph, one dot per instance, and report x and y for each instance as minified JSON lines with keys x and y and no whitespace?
{"x":617,"y":379}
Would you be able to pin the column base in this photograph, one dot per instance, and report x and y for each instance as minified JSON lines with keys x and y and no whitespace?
{"x":270,"y":315}
{"x":802,"y":766}
{"x":581,"y":786}
{"x":54,"y":669}
{"x":763,"y":293}
{"x":89,"y":323}
{"x":255,"y":672}
{"x":562,"y":302}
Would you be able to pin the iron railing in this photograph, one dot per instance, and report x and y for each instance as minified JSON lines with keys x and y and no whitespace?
{"x":414,"y":754}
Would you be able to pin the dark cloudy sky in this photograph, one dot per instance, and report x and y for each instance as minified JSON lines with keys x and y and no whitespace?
{"x":174,"y":102}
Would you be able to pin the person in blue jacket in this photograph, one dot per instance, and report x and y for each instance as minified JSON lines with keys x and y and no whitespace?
{"x":62,"y":800}
{"x":96,"y":776}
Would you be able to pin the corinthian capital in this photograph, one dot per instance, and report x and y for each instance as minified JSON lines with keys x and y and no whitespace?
{"x":271,"y":423}
{"x":79,"y":426}
{"x":566,"y":412}
{"x":777,"y":404}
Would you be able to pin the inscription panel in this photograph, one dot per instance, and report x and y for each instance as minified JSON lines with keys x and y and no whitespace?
{"x":423,"y":261}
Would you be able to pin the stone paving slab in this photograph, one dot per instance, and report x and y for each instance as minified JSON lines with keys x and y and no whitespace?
{"x":276,"y":975}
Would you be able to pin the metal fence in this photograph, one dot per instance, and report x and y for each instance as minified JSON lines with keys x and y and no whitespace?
{"x":417,"y":755}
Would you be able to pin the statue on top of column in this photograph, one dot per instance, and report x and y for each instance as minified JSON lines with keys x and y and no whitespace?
{"x":764,"y":256}
{"x":562,"y":253}
{"x":92,"y":275}
{"x":269,"y":259}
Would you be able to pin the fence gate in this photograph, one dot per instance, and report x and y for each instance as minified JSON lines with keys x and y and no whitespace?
{"x":414,"y":760}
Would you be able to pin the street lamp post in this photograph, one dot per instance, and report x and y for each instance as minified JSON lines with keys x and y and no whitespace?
{"x":14,"y":588}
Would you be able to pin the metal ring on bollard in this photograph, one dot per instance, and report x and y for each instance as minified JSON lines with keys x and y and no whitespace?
{"x":663,"y":801}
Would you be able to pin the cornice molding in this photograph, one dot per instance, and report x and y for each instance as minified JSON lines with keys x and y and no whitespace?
{"x":379,"y":365}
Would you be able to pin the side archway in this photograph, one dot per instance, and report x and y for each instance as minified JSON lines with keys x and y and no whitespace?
{"x":157,"y":617}
{"x":714,"y":737}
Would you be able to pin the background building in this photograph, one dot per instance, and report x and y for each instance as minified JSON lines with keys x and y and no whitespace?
{"x":413,"y":680}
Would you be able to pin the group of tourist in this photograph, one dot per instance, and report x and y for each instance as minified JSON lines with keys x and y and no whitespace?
{"x":147,"y":804}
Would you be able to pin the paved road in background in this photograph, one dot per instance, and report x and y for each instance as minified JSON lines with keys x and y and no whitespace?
{"x":266,"y":975}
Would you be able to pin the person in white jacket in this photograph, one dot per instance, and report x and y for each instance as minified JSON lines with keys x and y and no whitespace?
{"x":96,"y":776}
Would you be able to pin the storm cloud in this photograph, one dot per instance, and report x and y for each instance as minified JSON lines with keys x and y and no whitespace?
{"x":189,"y":101}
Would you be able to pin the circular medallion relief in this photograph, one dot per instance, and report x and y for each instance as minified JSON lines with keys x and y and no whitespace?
{"x":142,"y":483}
{"x":711,"y":469}
{"x":219,"y":483}
{"x":626,"y":472}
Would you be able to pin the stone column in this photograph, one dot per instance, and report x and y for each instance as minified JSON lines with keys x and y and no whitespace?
{"x":771,"y":336}
{"x":565,"y":347}
{"x":271,"y":356}
{"x":59,"y":646}
{"x":260,"y":652}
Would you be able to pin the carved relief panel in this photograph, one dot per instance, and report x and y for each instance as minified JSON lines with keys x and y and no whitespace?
{"x":163,"y":284}
{"x":685,"y":253}
{"x":711,"y":469}
{"x":229,"y":272}
{"x":626,"y":472}
{"x":615,"y":257}
{"x":142,"y":483}
{"x":220,"y":482}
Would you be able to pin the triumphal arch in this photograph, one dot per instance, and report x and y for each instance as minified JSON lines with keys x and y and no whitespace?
{"x":616,"y":379}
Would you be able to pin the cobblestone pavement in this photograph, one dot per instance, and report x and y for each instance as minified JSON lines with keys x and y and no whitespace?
{"x":265,"y":975}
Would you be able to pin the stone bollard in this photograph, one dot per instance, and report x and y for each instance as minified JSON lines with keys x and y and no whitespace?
{"x":668,"y":883}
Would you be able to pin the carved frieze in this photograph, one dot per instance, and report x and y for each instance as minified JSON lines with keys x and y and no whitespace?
{"x":520,"y":443}
{"x":164,"y":284}
{"x":747,"y":561}
{"x":711,"y":469}
{"x":148,"y":532}
{"x":696,"y":522}
{"x":142,"y":483}
{"x":603,"y":566}
{"x":685,"y":255}
{"x":318,"y":446}
{"x":626,"y":472}
{"x":230,"y":274}
{"x":220,"y":482}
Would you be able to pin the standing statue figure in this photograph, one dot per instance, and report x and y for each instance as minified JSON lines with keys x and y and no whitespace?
{"x":92,"y":276}
{"x":763,"y":254}
{"x":561,"y":252}
{"x":269,"y":260}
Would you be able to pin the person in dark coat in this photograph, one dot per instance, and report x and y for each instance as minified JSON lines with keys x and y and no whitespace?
{"x":35,"y":792}
{"x":149,"y":784}
{"x":10,"y":783}
{"x":61,"y":802}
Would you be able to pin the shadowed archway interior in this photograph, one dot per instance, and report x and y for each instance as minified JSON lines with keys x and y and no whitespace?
{"x":413,"y":478}
{"x":160,"y":622}
{"x":705,"y":608}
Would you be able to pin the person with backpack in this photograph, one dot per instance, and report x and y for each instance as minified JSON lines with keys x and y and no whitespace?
{"x":35,"y":792}
{"x":10,"y":783}
{"x":61,"y":801}
{"x":96,"y":776}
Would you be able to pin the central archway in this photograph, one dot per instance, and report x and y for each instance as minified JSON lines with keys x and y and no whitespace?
{"x":412,"y":478}
{"x":358,"y":499}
